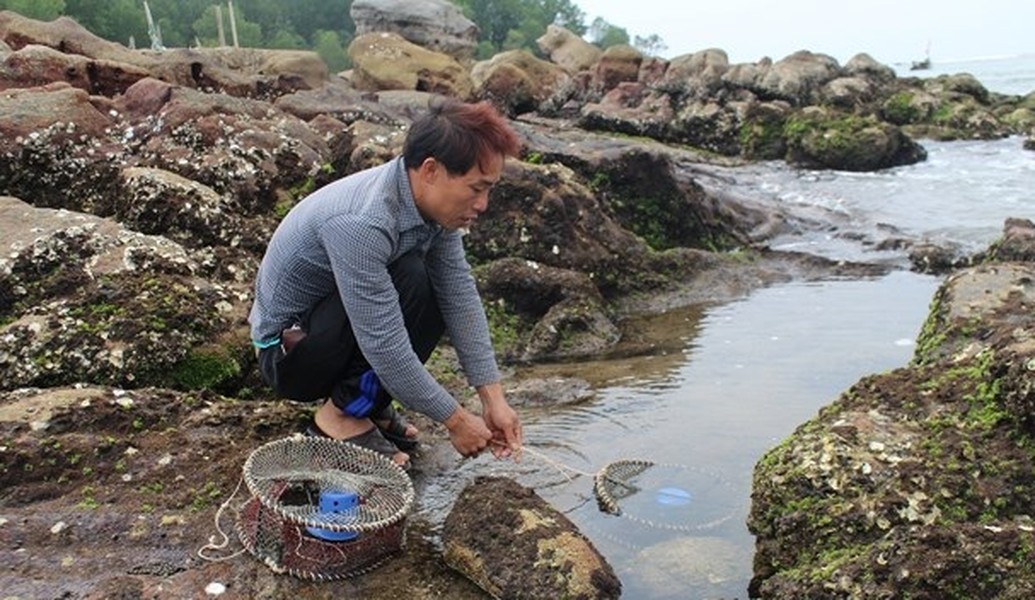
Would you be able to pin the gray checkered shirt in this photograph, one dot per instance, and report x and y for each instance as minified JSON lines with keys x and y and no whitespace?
{"x":344,"y":236}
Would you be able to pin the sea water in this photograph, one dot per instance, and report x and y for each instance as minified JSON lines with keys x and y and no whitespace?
{"x":1014,"y":75}
{"x":725,"y":383}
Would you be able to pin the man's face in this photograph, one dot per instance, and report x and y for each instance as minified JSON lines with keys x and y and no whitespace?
{"x":454,"y":202}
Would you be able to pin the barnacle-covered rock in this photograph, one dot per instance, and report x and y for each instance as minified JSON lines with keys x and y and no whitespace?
{"x":513,"y":544}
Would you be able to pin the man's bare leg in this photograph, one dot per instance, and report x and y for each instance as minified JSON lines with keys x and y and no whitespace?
{"x":340,"y":426}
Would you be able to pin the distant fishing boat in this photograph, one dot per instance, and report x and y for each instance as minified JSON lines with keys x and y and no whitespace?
{"x":922,"y":65}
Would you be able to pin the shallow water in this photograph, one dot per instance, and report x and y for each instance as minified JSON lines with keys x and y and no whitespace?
{"x":724,"y":383}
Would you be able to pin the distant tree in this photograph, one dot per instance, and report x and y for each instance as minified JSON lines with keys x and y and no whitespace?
{"x":206,"y":28}
{"x":652,"y":45}
{"x":308,"y":17}
{"x":286,"y":39}
{"x":515,"y":40}
{"x":603,"y":34}
{"x":511,"y":24}
{"x":564,"y":14}
{"x":115,"y":20}
{"x":329,"y":45}
{"x":485,"y":50}
{"x":41,"y":10}
{"x":176,"y":19}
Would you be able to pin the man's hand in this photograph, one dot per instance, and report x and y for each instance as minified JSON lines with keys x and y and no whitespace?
{"x":502,"y":421}
{"x":468,"y":433}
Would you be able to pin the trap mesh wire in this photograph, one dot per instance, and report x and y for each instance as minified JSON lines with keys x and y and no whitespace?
{"x":663,"y":496}
{"x":289,"y":524}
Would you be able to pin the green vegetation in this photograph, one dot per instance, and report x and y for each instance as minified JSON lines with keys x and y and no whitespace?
{"x":762,"y":139}
{"x":207,"y":496}
{"x":836,"y":135}
{"x":205,"y":369}
{"x":504,"y":326}
{"x":900,"y":110}
{"x":88,"y":500}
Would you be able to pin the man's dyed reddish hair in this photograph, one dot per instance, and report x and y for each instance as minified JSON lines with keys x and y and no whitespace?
{"x":458,"y":135}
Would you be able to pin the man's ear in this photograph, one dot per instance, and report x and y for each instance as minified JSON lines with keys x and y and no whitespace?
{"x":429,"y":169}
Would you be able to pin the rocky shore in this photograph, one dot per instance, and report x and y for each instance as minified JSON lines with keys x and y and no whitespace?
{"x":139,"y":189}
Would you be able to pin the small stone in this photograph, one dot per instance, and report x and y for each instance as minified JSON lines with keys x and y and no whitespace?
{"x":59,"y":527}
{"x":215,"y":589}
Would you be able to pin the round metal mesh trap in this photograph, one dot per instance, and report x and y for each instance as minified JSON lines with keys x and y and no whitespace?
{"x":663,"y":496}
{"x":323,"y":509}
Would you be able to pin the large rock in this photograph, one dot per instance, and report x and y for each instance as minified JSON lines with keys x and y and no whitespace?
{"x":567,"y":315}
{"x":513,"y":544}
{"x":113,"y":67}
{"x":699,"y":74}
{"x":433,"y":24}
{"x":76,"y":288}
{"x":386,"y":61}
{"x":798,"y":77}
{"x":34,"y":65}
{"x":710,"y":125}
{"x":632,"y":108}
{"x":864,"y":65}
{"x":66,"y":35}
{"x":817,"y":138}
{"x":291,"y":69}
{"x":25,"y":113}
{"x":56,"y":149}
{"x":567,"y":49}
{"x":617,"y":64}
{"x":517,"y":82}
{"x":546,"y":214}
{"x":916,"y":482}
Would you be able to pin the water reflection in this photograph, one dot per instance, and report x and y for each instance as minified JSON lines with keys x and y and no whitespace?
{"x":709,"y":388}
{"x":649,"y":356}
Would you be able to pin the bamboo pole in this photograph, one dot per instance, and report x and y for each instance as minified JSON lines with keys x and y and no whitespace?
{"x":219,"y":26}
{"x":233,"y":22}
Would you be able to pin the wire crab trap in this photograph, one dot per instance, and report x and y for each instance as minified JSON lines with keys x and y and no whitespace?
{"x":659,"y":495}
{"x":663,"y":496}
{"x":323,"y":509}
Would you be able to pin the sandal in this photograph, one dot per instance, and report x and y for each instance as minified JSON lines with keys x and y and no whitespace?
{"x":395,"y":430}
{"x":370,"y":439}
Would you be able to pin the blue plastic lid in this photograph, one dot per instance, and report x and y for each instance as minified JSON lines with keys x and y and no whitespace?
{"x":673,"y":496}
{"x":334,"y":502}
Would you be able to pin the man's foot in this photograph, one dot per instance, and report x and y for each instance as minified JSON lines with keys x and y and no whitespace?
{"x":330,"y":422}
{"x":396,"y":428}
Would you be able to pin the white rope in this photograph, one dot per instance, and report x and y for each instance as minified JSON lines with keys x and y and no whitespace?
{"x":212,"y":544}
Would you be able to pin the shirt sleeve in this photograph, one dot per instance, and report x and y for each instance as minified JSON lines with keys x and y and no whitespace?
{"x":462,"y":309}
{"x":359,"y":250}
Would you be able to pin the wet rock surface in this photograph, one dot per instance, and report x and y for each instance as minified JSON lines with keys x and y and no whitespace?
{"x":497,"y":528}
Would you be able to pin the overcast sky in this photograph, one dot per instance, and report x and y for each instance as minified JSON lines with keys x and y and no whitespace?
{"x":890,"y":31}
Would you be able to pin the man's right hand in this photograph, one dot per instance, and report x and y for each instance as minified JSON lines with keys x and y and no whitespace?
{"x":467,"y":432}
